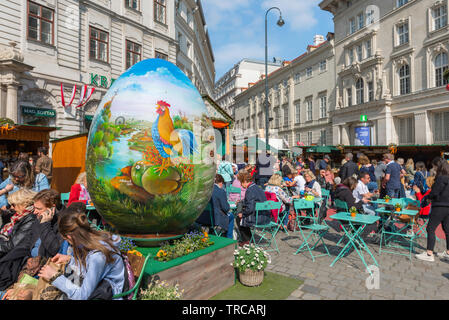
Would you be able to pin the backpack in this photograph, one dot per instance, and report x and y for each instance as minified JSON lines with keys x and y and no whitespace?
{"x":424,"y":187}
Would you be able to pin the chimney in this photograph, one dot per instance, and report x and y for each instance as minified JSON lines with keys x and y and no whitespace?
{"x":318,"y":39}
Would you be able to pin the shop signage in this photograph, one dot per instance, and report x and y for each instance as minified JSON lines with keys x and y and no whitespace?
{"x":362,"y":136}
{"x":100,"y":81}
{"x":38,"y":112}
{"x":363,"y":118}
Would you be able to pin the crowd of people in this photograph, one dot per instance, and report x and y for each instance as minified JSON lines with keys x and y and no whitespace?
{"x":356,"y":182}
{"x":38,"y":232}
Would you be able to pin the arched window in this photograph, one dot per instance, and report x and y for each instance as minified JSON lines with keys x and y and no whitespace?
{"x":359,"y":91}
{"x":404,"y":79}
{"x":441,"y":65}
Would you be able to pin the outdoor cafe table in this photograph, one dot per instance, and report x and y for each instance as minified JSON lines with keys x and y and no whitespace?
{"x":357,"y":224}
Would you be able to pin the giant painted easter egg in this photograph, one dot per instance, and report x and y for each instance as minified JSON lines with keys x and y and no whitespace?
{"x":150,"y":165}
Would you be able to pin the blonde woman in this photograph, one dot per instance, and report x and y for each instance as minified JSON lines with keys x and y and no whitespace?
{"x":18,"y":231}
{"x":274,"y":186}
{"x":78,"y":192}
{"x":312,"y":186}
{"x":410,"y":169}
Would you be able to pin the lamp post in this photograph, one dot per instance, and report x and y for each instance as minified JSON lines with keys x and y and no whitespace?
{"x":280,"y":23}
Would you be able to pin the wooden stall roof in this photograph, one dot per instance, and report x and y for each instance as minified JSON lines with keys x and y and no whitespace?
{"x":26,"y":132}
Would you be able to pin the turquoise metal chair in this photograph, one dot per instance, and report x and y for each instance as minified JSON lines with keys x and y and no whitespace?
{"x":325,"y":194}
{"x":218,"y":233}
{"x":232,"y":189}
{"x":263,"y":230}
{"x":316,"y":230}
{"x":65,"y":197}
{"x":134,"y":290}
{"x":341,"y":206}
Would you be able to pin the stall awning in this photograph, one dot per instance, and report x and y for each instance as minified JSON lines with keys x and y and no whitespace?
{"x":27,"y":132}
{"x":321,"y":149}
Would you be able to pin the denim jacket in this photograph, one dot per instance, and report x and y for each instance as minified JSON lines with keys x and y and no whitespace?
{"x":40,"y":183}
{"x":95,"y":271}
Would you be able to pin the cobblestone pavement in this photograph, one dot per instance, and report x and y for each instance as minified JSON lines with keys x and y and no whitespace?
{"x":399,"y":278}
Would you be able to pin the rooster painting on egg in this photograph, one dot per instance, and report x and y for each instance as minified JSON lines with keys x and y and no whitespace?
{"x":145,"y":168}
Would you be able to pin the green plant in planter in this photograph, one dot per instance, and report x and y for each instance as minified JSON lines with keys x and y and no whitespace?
{"x":251,"y":258}
{"x":189,"y":243}
{"x":160,"y":290}
{"x":387,"y":198}
{"x":353,"y":210}
{"x":398,"y":207}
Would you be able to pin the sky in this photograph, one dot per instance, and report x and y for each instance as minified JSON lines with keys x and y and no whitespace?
{"x":237,"y":29}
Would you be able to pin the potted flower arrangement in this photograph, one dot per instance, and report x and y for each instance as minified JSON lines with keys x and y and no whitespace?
{"x":353,"y":211}
{"x":251,"y":263}
{"x":189,"y":243}
{"x":398,"y":207}
{"x":387,"y":198}
{"x":135,"y":258}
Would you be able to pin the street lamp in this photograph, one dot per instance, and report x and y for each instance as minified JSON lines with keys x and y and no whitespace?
{"x":280,"y":23}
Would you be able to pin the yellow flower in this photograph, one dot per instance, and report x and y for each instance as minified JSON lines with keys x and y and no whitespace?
{"x":161,"y":253}
{"x":137,"y":253}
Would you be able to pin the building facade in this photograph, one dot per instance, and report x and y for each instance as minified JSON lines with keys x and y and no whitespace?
{"x":242,"y":75}
{"x":301,"y":97}
{"x":390,"y":60}
{"x":194,"y":53}
{"x":46,"y":43}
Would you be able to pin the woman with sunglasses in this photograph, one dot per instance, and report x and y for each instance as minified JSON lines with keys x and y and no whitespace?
{"x":21,"y":176}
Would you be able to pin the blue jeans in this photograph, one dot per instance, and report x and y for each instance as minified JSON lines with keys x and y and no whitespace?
{"x":230,"y":226}
{"x":393,"y":193}
{"x":369,"y":210}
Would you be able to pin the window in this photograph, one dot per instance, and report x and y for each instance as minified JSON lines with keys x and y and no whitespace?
{"x":133,"y":53}
{"x":351,"y":25}
{"x":358,"y":50}
{"x":323,"y":66}
{"x":286,"y":116}
{"x":133,"y":4}
{"x":400,"y":3}
{"x":323,"y":137}
{"x":404,"y":79}
{"x":99,"y":44}
{"x":441,"y":127}
{"x":298,"y":112}
{"x":402,"y":32}
{"x":160,"y":11}
{"x":261,"y":120}
{"x":406,"y":130}
{"x":369,"y":17}
{"x":309,"y":72}
{"x":160,"y":55}
{"x":309,"y":110}
{"x":370,"y":91}
{"x":277,"y":118}
{"x":359,"y":91}
{"x":297,"y":77}
{"x":349,"y":96}
{"x":439,"y":16}
{"x":309,"y":138}
{"x":298,"y":138}
{"x":360,"y":21}
{"x":441,"y":65}
{"x":368,"y":51}
{"x":323,"y":107}
{"x":350,"y":56}
{"x":40,"y":23}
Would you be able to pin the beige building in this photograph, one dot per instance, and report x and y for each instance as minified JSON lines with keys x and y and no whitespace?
{"x":301,"y":96}
{"x":390,"y":57}
{"x":194,"y":54}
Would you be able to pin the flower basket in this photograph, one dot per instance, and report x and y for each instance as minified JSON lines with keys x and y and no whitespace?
{"x":251,"y":278}
{"x":136,"y":262}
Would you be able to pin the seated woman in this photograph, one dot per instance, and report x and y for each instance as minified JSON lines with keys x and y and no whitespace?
{"x":253,"y":195}
{"x":312,"y":186}
{"x":344,"y":193}
{"x":275,"y":186}
{"x":21,"y":176}
{"x":47,"y":207}
{"x":19,"y":230}
{"x":237,"y":183}
{"x":78,"y":192}
{"x":96,"y":259}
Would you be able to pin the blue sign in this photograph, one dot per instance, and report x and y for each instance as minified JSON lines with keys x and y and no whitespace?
{"x":362,"y":136}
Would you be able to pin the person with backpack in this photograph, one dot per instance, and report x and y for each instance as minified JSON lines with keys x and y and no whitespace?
{"x":420,"y":177}
{"x":226,"y":171}
{"x":96,"y":262}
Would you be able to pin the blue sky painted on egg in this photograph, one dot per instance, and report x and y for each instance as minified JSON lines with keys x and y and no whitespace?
{"x":237,"y":29}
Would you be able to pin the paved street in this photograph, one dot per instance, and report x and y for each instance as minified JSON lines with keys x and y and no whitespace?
{"x":400,"y":278}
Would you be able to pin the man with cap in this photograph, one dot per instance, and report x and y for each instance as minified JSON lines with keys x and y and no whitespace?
{"x":324,"y":162}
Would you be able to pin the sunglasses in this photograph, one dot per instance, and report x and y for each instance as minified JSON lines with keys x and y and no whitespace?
{"x":18,"y":177}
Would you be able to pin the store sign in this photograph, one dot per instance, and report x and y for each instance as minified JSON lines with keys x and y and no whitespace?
{"x":38,"y":112}
{"x":363,"y":118}
{"x":362,"y":136}
{"x":100,"y":81}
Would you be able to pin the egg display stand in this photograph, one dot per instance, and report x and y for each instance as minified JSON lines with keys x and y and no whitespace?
{"x":153,"y":240}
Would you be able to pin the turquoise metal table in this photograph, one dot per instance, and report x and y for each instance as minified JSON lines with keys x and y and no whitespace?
{"x":356,"y":226}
